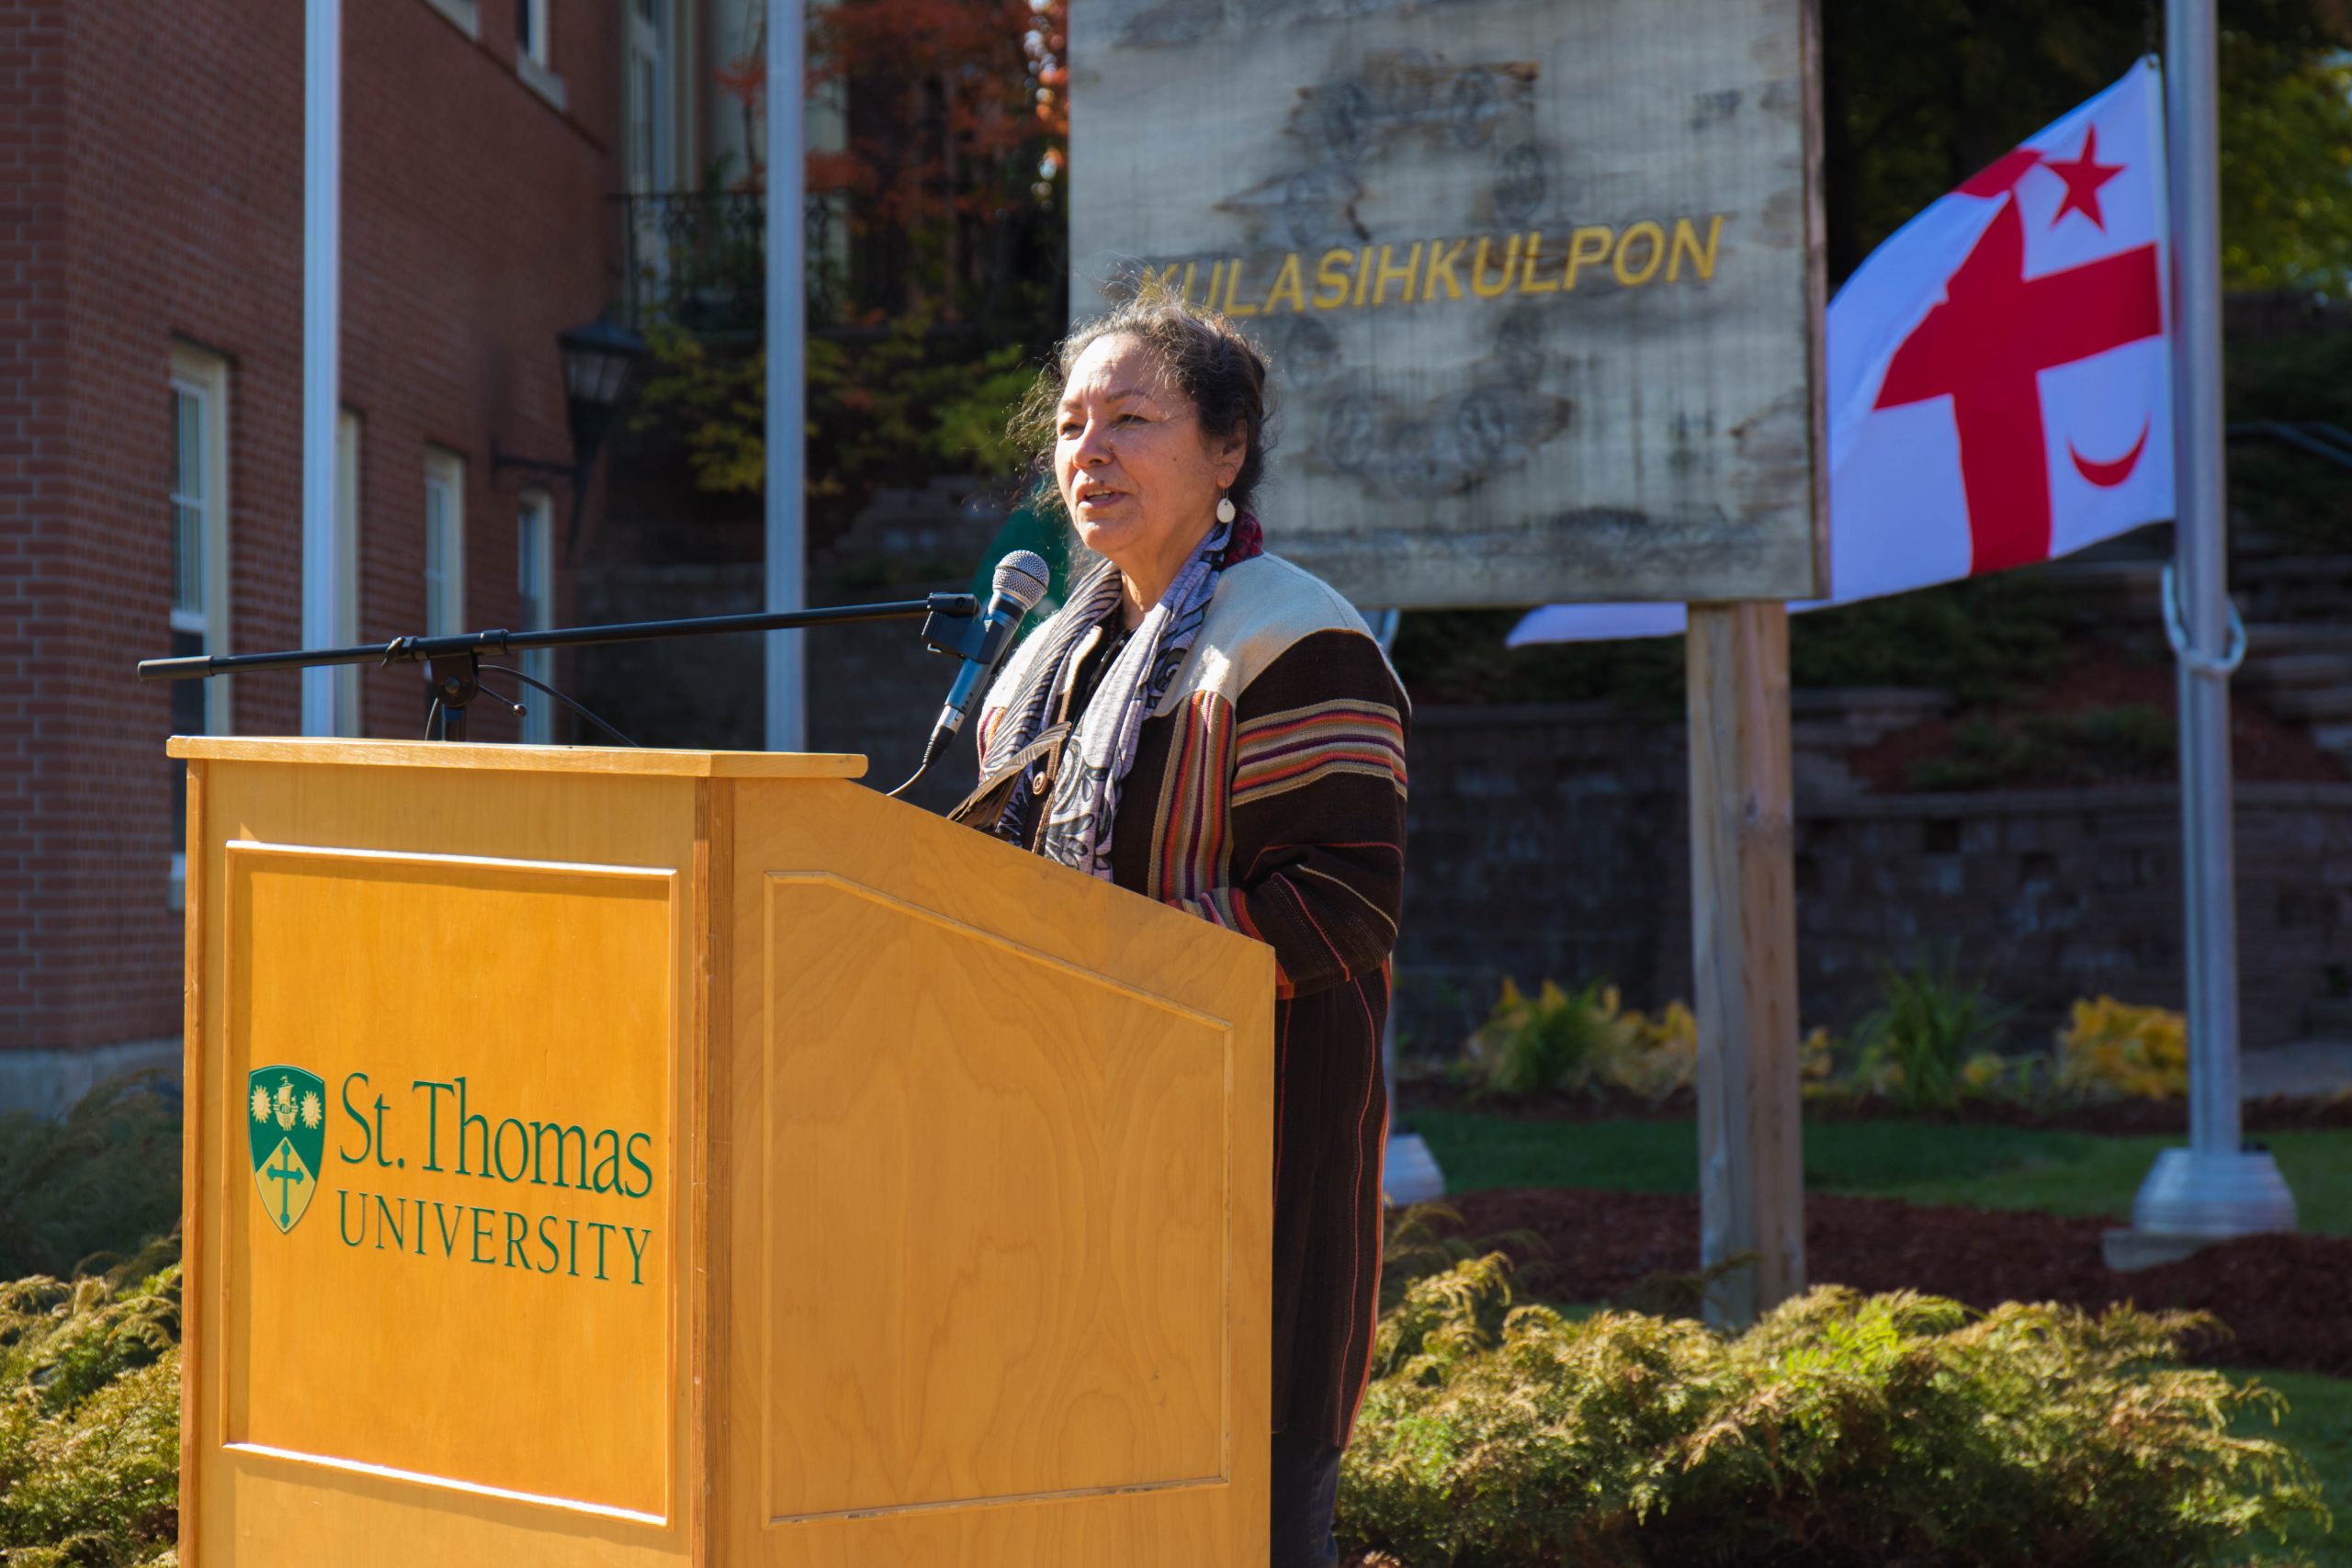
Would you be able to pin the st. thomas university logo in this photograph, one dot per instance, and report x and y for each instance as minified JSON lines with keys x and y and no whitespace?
{"x":286,"y":1114}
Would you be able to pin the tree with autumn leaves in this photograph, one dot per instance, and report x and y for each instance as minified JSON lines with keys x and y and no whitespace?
{"x":953,"y":280}
{"x":957,"y":135}
{"x":951,"y":181}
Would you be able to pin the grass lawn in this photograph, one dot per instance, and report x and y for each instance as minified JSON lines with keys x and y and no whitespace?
{"x":2319,"y":1427}
{"x":1984,"y":1166}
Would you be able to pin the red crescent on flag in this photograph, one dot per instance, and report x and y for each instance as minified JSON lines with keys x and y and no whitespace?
{"x":2107,"y":476}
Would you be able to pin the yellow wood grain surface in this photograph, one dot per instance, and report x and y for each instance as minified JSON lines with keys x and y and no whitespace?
{"x":1035,"y":1160}
{"x":490,"y":1169}
{"x":362,"y":1405}
{"x":195,"y":1150}
{"x":1000,"y":1230}
{"x":640,"y":759}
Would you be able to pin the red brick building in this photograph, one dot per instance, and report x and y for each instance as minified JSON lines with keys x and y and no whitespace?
{"x":150,"y":354}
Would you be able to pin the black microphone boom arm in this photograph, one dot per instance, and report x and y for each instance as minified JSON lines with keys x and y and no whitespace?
{"x":454,"y":660}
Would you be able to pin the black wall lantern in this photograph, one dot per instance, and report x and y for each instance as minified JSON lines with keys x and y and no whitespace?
{"x":597,"y":359}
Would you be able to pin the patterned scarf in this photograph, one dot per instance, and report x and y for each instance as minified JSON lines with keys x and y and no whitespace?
{"x":1095,"y":764}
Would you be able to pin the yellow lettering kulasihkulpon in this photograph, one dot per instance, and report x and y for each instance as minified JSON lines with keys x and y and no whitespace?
{"x":1679,"y":252}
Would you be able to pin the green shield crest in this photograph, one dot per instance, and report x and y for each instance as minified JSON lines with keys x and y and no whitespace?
{"x":286,"y":1112}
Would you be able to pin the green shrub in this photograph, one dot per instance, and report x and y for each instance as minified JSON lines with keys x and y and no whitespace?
{"x":1930,"y":1040}
{"x":96,"y":1183}
{"x":1422,"y":1239}
{"x":2110,"y":1048}
{"x":2095,"y":746}
{"x":90,"y":1416}
{"x":1552,"y":1040}
{"x":1558,"y":1040}
{"x":1841,"y":1430}
{"x":1985,"y":639}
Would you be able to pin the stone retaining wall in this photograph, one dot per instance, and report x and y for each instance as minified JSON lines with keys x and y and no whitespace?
{"x":1552,"y":841}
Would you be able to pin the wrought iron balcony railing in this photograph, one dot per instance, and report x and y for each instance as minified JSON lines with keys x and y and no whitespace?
{"x":699,"y":259}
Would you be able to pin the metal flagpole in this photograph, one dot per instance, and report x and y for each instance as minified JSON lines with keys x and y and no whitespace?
{"x":2215,"y":1188}
{"x":322,"y":254}
{"x":787,"y":717}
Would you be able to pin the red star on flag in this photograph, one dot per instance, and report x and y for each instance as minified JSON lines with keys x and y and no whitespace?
{"x":2083,"y":173}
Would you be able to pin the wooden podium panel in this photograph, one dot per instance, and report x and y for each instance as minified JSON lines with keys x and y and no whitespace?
{"x":1027,"y":1119}
{"x":626,"y":1158}
{"x":461,"y":1187}
{"x":1029,"y":1330}
{"x":413,"y":917}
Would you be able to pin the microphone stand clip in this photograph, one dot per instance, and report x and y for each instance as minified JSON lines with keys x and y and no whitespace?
{"x":954,"y":629}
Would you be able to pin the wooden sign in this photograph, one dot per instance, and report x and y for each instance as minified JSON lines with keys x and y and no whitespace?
{"x":1540,"y":281}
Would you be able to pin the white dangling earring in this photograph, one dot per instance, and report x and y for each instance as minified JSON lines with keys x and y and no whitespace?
{"x":1225,"y":509}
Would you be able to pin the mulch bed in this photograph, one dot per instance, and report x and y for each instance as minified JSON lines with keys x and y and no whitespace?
{"x":2274,"y":1113}
{"x":2282,"y":1297}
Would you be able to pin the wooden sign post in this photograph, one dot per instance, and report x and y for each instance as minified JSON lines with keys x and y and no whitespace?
{"x":1744,"y":964}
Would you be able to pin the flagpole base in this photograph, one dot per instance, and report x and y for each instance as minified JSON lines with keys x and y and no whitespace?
{"x":2191,"y":1200}
{"x":1411,"y":1175}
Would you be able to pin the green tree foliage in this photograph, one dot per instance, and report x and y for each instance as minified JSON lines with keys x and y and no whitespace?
{"x":1920,"y":95}
{"x":885,"y":406}
{"x":1841,"y":1430}
{"x":951,"y":188}
{"x":2286,"y":128}
{"x":2297,"y":376}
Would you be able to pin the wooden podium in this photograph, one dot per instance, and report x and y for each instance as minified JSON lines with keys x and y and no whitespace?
{"x":615,"y":1158}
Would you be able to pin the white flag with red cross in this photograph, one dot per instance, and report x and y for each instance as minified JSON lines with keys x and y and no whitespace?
{"x":1999,"y":382}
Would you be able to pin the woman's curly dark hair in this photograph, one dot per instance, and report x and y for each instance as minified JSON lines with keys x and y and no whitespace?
{"x":1202,"y":355}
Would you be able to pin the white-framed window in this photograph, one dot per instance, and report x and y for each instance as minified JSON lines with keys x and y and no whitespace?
{"x":198,"y":509}
{"x":649,"y":107}
{"x":533,"y":50}
{"x":445,"y":543}
{"x":531,"y":32}
{"x":346,"y":567}
{"x":535,"y":580}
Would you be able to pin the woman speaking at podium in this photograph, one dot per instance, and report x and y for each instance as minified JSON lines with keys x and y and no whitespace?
{"x":1207,"y":725}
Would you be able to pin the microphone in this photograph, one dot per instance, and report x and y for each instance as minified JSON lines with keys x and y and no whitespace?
{"x":1020,"y":580}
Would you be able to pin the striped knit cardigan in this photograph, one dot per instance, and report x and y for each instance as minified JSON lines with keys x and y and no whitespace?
{"x":1267,"y":797}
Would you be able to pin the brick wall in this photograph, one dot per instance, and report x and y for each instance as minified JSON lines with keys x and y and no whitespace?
{"x":154,"y":157}
{"x":36,"y":539}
